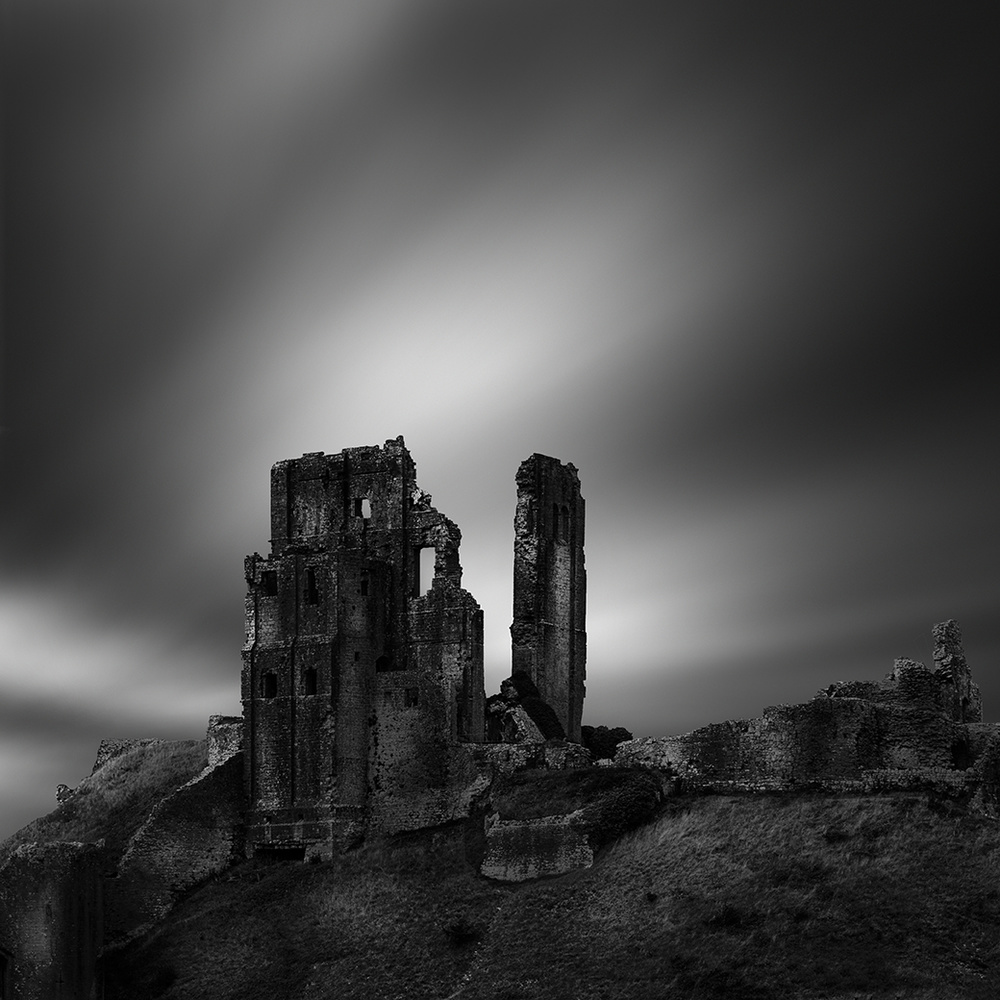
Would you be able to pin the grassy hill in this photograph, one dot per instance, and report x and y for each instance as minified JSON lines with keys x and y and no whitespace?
{"x":746,"y":898}
{"x":113,"y":802}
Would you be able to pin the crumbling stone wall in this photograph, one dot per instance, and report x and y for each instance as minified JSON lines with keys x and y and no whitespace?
{"x":517,"y":850}
{"x":945,"y":689}
{"x":224,"y":738}
{"x":915,"y":720}
{"x":358,"y":675}
{"x":193,"y":833}
{"x":51,"y":919}
{"x":548,"y":634}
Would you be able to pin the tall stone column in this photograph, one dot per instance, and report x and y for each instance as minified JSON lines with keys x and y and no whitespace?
{"x":549,"y":631}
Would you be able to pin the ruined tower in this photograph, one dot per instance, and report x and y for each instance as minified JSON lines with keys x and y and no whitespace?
{"x":359,"y":666}
{"x":548,"y":635}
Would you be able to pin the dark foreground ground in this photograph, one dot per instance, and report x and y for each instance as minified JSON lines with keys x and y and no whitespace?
{"x":737,"y":897}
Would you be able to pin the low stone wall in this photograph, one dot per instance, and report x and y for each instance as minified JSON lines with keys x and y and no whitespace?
{"x":517,"y":850}
{"x":51,"y":919}
{"x":825,"y":739}
{"x":191,"y":834}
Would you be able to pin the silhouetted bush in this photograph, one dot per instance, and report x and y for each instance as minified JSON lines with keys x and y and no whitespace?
{"x":461,"y":932}
{"x":632,"y":801}
{"x":602,"y":742}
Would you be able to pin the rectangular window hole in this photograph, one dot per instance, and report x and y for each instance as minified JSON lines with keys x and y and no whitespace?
{"x":312,"y":594}
{"x":309,"y":681}
{"x":269,"y":685}
{"x":364,"y":587}
{"x":423,"y":570}
{"x":271,"y":853}
{"x":269,"y":582}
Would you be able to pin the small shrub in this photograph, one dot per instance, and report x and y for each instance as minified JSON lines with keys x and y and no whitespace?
{"x":461,"y":932}
{"x":603,"y":742}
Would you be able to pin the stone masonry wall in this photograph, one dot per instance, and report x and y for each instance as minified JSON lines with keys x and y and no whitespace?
{"x":224,"y":738}
{"x":190,"y":835}
{"x":51,"y":919}
{"x":548,"y":633}
{"x":914,"y":720}
{"x":517,"y":850}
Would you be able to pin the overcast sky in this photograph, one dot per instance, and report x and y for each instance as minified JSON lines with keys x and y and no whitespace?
{"x":734,"y":261}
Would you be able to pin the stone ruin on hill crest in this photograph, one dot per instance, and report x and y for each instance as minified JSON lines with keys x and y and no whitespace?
{"x":362,"y":683}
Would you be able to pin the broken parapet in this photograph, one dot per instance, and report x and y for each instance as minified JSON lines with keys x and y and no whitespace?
{"x":947,"y":688}
{"x":951,"y":666}
{"x":549,"y":631}
{"x":224,"y":738}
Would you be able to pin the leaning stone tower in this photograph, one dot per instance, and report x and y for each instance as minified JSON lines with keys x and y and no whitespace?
{"x":548,"y":635}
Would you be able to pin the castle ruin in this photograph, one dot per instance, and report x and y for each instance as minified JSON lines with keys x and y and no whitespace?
{"x":363,"y":659}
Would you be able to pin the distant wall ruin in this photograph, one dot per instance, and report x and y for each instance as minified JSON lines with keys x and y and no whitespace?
{"x":916,"y":719}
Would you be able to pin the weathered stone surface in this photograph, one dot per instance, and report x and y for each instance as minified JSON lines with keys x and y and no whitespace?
{"x":916,"y":721}
{"x":548,"y":634}
{"x":51,"y":919}
{"x":190,"y":835}
{"x":517,"y":850}
{"x":358,"y":675}
{"x":224,"y":738}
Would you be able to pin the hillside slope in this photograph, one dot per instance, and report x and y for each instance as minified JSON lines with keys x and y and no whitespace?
{"x":112,"y":803}
{"x":740,"y":897}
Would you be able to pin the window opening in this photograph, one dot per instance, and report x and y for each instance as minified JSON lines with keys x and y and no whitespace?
{"x":364,"y":587}
{"x":423,"y":570}
{"x":269,"y":685}
{"x":312,"y":594}
{"x":362,"y":507}
{"x":269,"y":581}
{"x":411,"y":697}
{"x":357,"y":656}
{"x":309,"y":679}
{"x":283,"y":853}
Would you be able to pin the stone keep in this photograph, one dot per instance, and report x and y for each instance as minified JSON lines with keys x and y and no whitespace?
{"x":357,"y":674}
{"x":548,"y":635}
